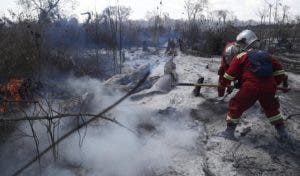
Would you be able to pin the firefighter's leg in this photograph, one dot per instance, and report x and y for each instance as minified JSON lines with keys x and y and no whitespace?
{"x":271,"y":105}
{"x":243,"y":100}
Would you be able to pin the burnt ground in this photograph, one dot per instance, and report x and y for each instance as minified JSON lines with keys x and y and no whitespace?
{"x":257,"y":150}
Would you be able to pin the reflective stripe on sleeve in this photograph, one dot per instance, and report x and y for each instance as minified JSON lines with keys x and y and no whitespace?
{"x":227,"y":76}
{"x":278,"y":72}
{"x":232,"y":120}
{"x":275,"y":118}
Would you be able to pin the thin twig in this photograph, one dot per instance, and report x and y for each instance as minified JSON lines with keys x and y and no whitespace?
{"x":292,"y":115}
{"x":35,"y":138}
{"x":46,"y":117}
{"x":19,"y":101}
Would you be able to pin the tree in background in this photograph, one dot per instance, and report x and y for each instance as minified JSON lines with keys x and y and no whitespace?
{"x":194,"y":10}
{"x":115,"y":17}
{"x":47,"y":10}
{"x":222,"y":15}
{"x":156,"y":23}
{"x":285,"y":12}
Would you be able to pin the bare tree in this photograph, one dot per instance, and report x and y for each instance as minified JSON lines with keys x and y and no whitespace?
{"x":89,"y":17}
{"x":222,"y":15}
{"x":194,"y":8}
{"x":285,"y":10}
{"x":262,"y":14}
{"x":123,"y":14}
{"x":116,"y":16}
{"x":283,"y":28}
{"x":270,"y":5}
{"x":156,"y":22}
{"x":46,"y":9}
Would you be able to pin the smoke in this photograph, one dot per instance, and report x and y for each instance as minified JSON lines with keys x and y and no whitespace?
{"x":115,"y":151}
{"x":107,"y":149}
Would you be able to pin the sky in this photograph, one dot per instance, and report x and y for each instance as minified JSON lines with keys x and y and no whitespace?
{"x":243,"y":9}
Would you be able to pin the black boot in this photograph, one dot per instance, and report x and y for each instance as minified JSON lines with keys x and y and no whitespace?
{"x":283,"y":133}
{"x":229,"y":131}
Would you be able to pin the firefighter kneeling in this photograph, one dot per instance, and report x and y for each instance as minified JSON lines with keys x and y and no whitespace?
{"x":260,"y":75}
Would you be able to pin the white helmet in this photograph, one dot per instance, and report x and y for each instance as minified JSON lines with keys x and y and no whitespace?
{"x":246,"y":38}
{"x":231,"y":51}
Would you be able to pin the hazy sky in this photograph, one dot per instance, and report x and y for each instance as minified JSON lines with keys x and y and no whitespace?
{"x":243,"y":9}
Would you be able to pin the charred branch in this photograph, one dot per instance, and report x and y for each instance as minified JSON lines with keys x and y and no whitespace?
{"x":66,"y":135}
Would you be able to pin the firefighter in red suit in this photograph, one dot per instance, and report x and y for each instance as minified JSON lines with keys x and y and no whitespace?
{"x":230,"y":50}
{"x":260,"y":74}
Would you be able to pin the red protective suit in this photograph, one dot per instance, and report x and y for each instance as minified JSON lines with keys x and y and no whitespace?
{"x":253,"y":88}
{"x":224,"y":66}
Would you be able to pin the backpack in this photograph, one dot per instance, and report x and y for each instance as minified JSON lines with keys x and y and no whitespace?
{"x":261,"y":63}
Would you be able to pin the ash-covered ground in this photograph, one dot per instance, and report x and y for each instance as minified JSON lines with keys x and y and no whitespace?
{"x":177,"y":132}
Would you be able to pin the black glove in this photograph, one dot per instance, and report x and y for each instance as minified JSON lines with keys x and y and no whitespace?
{"x":229,"y":89}
{"x":285,"y":82}
{"x":237,"y":84}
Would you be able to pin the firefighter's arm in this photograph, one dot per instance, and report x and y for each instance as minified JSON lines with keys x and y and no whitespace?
{"x":234,"y":69}
{"x":222,"y":68}
{"x":278,"y":71}
{"x":221,"y":72}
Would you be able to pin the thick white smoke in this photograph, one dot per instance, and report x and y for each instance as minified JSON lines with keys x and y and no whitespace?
{"x":107,"y":149}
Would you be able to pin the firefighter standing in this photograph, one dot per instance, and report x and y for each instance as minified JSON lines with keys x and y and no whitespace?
{"x":260,"y":74}
{"x":230,"y":50}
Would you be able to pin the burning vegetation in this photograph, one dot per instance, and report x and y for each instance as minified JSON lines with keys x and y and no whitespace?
{"x":10,"y":94}
{"x":16,"y":93}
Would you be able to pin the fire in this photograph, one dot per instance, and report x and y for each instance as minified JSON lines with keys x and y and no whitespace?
{"x":10,"y":92}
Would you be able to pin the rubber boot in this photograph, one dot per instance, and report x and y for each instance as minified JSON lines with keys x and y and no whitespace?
{"x":283,"y":133}
{"x":229,"y":131}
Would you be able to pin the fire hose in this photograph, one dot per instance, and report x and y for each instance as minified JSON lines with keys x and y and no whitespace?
{"x":217,"y":85}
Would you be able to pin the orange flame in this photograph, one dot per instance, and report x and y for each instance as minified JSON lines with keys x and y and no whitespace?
{"x":11,"y":92}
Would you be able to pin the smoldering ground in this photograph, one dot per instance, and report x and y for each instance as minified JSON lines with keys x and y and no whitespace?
{"x":103,"y":148}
